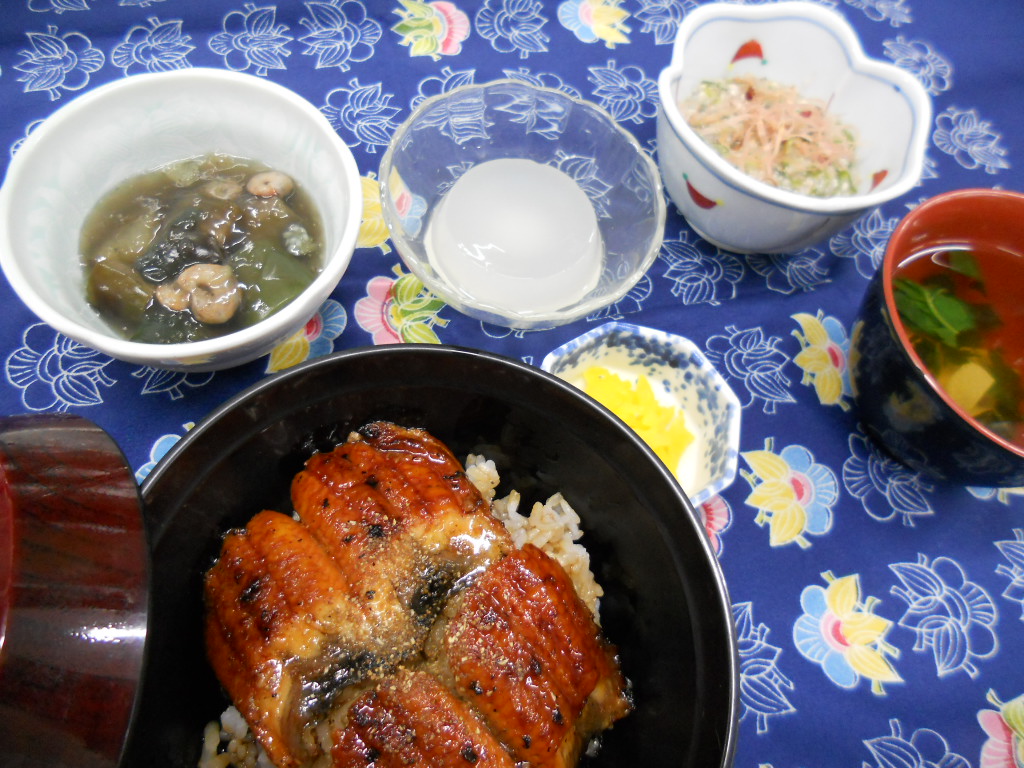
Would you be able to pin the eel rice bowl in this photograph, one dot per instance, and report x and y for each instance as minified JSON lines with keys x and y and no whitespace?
{"x":402,"y":614}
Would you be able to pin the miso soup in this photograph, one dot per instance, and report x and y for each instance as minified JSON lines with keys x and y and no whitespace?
{"x":963,"y":308}
{"x":199,"y":248}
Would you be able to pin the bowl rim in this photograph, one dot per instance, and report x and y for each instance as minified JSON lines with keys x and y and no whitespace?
{"x":889,"y":260}
{"x":274,"y":326}
{"x":255,"y":421}
{"x":835,"y":24}
{"x":526,"y":319}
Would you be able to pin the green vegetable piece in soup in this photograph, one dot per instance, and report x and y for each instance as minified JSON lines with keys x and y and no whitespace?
{"x":272,"y":222}
{"x":271,"y":277}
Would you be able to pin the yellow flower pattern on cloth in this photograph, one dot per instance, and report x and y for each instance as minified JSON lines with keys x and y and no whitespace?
{"x":793,"y":494}
{"x":290,"y":352}
{"x":373,"y":231}
{"x":841,"y":632}
{"x":593,"y":20}
{"x":823,"y":357}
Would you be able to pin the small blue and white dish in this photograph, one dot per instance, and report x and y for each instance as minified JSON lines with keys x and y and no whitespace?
{"x":680,"y":375}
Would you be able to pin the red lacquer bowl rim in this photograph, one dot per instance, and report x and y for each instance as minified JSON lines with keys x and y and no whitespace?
{"x":910,"y":235}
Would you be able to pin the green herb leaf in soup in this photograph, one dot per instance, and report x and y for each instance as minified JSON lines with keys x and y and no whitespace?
{"x":964,"y":263}
{"x":933,"y":311}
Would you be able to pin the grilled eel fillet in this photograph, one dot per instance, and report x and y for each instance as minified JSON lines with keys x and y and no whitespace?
{"x":517,"y":673}
{"x":299,"y":610}
{"x":525,"y":651}
{"x":412,"y":719}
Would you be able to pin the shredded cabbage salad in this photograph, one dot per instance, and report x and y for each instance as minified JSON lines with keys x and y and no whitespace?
{"x":774,"y":134}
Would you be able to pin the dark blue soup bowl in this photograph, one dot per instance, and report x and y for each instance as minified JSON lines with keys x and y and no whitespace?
{"x":900,"y":403}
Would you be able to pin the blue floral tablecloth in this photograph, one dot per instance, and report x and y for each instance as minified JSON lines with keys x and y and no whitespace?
{"x":880,"y":615}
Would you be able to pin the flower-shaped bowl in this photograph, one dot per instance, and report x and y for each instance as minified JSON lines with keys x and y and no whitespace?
{"x":565,"y":213}
{"x":934,"y":416}
{"x":810,"y":48}
{"x":681,"y":377}
{"x":134,"y":125}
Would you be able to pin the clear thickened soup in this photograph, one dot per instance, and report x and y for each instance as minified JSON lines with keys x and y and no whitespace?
{"x":199,"y":248}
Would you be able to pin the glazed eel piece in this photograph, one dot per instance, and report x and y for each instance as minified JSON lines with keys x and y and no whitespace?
{"x":412,"y":719}
{"x":517,"y":673}
{"x":525,"y":651}
{"x":300,"y":610}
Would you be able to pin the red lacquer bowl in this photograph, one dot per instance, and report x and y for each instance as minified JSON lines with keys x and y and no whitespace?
{"x":901,"y":403}
{"x":73,"y":594}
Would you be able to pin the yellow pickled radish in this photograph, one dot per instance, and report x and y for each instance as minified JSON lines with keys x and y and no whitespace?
{"x":662,"y":427}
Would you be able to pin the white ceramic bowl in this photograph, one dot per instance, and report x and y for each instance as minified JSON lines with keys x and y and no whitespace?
{"x":601,"y":167}
{"x":136,"y":124}
{"x":680,"y":376}
{"x":812,"y":48}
